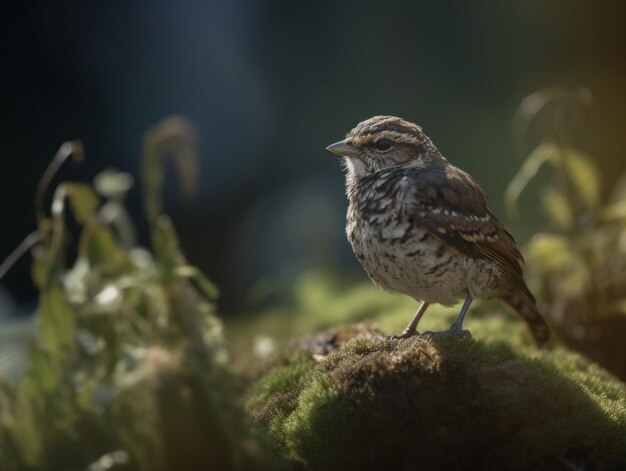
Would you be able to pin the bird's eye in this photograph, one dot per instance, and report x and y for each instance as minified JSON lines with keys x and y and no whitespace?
{"x":383,"y":144}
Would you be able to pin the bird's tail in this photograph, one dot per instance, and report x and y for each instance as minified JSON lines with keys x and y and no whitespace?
{"x":527,"y":309}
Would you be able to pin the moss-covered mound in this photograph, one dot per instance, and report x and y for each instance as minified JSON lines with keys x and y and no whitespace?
{"x":367,"y":402}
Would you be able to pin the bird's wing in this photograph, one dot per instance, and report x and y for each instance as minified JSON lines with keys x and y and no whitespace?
{"x":452,"y":206}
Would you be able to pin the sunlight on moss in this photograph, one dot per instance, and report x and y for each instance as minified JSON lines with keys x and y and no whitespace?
{"x":375,"y":403}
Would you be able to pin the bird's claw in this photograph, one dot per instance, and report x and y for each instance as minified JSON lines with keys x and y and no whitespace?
{"x":447,"y":334}
{"x":404,"y":335}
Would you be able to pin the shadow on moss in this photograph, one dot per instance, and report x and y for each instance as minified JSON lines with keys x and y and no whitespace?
{"x":457,"y":404}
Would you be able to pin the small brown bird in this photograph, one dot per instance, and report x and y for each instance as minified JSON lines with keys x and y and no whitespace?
{"x":422,"y":227}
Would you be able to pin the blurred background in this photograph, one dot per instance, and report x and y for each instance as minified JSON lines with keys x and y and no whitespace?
{"x":269,"y":85}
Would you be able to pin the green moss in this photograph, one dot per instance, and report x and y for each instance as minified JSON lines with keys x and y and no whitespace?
{"x":455,"y":404}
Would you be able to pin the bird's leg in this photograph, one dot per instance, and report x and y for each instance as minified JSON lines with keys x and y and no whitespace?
{"x":411,"y":329}
{"x":456,"y":329}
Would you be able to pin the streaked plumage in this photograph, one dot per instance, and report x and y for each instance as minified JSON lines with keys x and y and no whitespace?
{"x":422,"y":227}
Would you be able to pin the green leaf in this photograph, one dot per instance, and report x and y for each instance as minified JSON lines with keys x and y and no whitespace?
{"x":57,"y":323}
{"x":176,"y":138}
{"x":555,"y":261}
{"x":584,"y":176}
{"x":83,"y":201}
{"x":166,"y":248}
{"x":99,"y":247}
{"x":558,"y":207}
{"x":581,"y":175}
{"x":526,"y":173}
{"x":44,"y":371}
{"x":84,"y":204}
{"x":614,"y":212}
{"x":551,"y":250}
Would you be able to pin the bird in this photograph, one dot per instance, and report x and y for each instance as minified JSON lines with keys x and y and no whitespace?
{"x":421,"y":226}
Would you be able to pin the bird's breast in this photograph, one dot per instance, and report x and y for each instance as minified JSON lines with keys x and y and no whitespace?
{"x":402,"y":257}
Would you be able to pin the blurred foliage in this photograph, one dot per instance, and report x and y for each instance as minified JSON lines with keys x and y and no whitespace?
{"x":371,"y":403}
{"x":128,"y":369}
{"x":578,"y":267}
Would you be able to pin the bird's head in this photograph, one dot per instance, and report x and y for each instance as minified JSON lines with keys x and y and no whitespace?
{"x":382,"y":142}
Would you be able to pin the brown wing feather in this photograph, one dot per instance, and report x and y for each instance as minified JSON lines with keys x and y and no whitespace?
{"x":453,"y":207}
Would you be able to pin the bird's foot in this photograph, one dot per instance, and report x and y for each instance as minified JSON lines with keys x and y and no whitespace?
{"x":406,"y":333}
{"x":452,"y":332}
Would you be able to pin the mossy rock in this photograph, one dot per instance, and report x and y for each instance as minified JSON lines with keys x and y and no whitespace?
{"x":352,"y":399}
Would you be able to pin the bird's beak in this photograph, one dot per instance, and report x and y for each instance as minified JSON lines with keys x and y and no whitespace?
{"x":343,"y":148}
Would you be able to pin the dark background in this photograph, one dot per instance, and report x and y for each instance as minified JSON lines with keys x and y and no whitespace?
{"x":269,"y":85}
